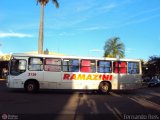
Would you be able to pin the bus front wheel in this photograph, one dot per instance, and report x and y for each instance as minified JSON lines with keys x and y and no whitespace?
{"x":104,"y":87}
{"x":31,"y":86}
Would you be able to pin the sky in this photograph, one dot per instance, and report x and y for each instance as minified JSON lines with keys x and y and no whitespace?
{"x":81,"y":27}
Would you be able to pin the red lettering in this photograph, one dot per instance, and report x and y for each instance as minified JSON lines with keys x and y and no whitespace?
{"x":84,"y":77}
{"x":100,"y":77}
{"x":73,"y":77}
{"x":105,"y":77}
{"x":110,"y":78}
{"x":66,"y":76}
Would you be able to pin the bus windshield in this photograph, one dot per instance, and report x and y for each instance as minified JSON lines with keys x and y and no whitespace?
{"x":17,"y":66}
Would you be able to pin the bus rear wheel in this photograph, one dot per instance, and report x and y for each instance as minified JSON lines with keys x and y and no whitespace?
{"x":31,"y":87}
{"x":104,"y":87}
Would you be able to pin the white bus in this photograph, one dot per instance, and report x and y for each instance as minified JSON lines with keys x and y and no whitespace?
{"x":34,"y":72}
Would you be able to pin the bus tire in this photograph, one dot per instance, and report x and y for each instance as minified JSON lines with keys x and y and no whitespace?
{"x":31,"y":87}
{"x":104,"y":87}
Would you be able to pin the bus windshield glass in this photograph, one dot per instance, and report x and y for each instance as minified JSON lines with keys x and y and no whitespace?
{"x":17,"y":66}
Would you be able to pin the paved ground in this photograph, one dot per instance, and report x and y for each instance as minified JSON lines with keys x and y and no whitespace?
{"x":75,"y":105}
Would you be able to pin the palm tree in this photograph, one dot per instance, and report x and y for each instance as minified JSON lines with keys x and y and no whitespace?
{"x":114,"y":48}
{"x":40,"y":39}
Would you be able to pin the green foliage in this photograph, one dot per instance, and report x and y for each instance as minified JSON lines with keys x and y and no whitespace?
{"x":152,"y":67}
{"x":114,"y":48}
{"x":55,"y":2}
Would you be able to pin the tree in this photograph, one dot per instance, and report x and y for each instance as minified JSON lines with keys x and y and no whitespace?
{"x":46,"y":51}
{"x":152,"y":67}
{"x":114,"y":48}
{"x":40,"y":39}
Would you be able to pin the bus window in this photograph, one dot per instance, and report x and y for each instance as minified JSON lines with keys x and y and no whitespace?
{"x":17,"y":66}
{"x":88,"y":66}
{"x":71,"y":65}
{"x":116,"y":67}
{"x":35,"y":64}
{"x":123,"y":68}
{"x":52,"y":64}
{"x":133,"y":67}
{"x":104,"y":66}
{"x":120,"y":67}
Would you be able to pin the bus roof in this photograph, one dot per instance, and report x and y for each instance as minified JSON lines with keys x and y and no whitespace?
{"x":74,"y":57}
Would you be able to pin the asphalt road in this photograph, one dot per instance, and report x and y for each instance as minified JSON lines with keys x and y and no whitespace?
{"x":143,"y":104}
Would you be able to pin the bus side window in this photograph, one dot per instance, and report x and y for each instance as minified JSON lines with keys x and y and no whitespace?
{"x":116,"y":67}
{"x":88,"y":66}
{"x":120,"y":67}
{"x":52,"y":64}
{"x":133,"y":67}
{"x":104,"y":66}
{"x":35,"y":64}
{"x":71,"y":65}
{"x":123,"y":68}
{"x":75,"y":66}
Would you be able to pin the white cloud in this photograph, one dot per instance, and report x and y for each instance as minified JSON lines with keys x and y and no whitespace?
{"x":90,"y":28}
{"x":82,"y":6}
{"x":66,"y":34}
{"x":142,"y":19}
{"x":141,"y":16}
{"x":108,"y":7}
{"x":13,"y":34}
{"x":95,"y":28}
{"x":148,"y":11}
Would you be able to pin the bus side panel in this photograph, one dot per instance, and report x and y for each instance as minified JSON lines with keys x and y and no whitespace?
{"x":51,"y":80}
{"x":129,"y":81}
{"x":69,"y":81}
{"x":114,"y":81}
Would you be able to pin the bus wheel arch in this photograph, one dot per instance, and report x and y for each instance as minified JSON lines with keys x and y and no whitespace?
{"x":31,"y":85}
{"x":105,"y":87}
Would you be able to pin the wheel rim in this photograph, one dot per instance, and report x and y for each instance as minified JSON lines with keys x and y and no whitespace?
{"x":105,"y":88}
{"x":30,"y":87}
